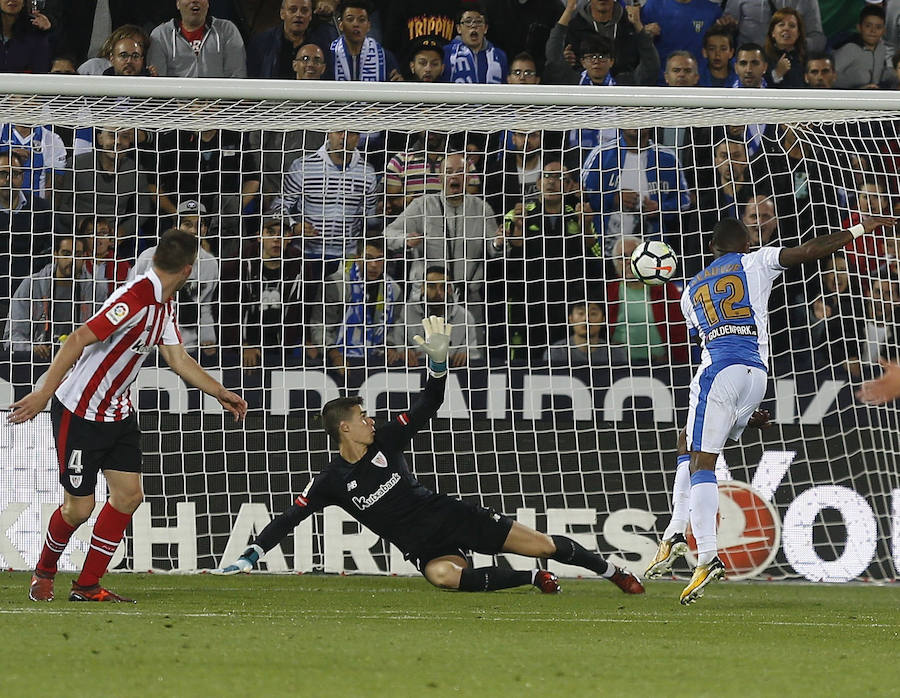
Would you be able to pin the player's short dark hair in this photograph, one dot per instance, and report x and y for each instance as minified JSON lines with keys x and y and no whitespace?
{"x":717,"y":30}
{"x":730,"y":234}
{"x":176,"y":249}
{"x":872,"y":11}
{"x":357,"y":4}
{"x":336,"y":411}
{"x":595,"y":44}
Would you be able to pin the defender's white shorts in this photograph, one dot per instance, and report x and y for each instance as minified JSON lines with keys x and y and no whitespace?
{"x":721,"y":402}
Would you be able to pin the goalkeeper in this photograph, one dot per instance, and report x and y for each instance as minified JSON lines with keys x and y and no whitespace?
{"x":370,"y":480}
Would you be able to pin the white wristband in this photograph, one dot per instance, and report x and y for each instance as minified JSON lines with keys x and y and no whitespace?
{"x":857,"y":230}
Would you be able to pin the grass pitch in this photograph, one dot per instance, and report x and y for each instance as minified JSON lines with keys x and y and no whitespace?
{"x":311,"y":635}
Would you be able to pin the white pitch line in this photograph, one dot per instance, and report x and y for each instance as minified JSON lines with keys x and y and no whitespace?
{"x":391,"y":615}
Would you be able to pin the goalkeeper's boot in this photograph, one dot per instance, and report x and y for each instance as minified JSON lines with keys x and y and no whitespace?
{"x":547,"y":582}
{"x":95,"y":592}
{"x":627,"y":582}
{"x":41,"y":586}
{"x":703,"y":575}
{"x":241,"y":565}
{"x":668,"y":551}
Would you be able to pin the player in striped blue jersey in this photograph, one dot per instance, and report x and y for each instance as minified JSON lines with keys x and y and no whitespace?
{"x":726,"y":306}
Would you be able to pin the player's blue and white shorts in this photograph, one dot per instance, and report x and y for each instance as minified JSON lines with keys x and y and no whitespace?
{"x":722,"y":399}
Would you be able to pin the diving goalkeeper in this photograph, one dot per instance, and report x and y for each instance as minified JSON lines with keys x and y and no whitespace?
{"x":370,"y":480}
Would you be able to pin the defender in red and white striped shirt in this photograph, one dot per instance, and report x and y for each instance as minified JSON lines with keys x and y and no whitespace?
{"x":94,"y":422}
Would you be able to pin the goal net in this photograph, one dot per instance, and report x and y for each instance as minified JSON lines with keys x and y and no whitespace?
{"x":332,"y":217}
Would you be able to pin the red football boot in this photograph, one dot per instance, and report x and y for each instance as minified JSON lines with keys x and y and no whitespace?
{"x":627,"y":582}
{"x":547,"y":582}
{"x":41,"y":587}
{"x":95,"y":593}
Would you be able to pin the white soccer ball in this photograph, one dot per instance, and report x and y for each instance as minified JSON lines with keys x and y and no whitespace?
{"x":654,"y":262}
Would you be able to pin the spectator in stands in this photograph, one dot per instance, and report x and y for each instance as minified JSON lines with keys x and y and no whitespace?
{"x":100,"y":261}
{"x":522,"y":25}
{"x":645,"y":320}
{"x":862,"y":63}
{"x":196,"y":299}
{"x":89,"y":23}
{"x":364,"y":313}
{"x":357,"y":56}
{"x":452,"y":229}
{"x":63,"y":65}
{"x":42,"y":153}
{"x":786,"y":49}
{"x":48,"y":305}
{"x":426,"y":59}
{"x":262,"y":304}
{"x":733,"y":184}
{"x":866,"y":253}
{"x":634,"y":186}
{"x":879,"y":337}
{"x":310,"y":63}
{"x":127,"y":58}
{"x":415,"y":171}
{"x":750,"y":18}
{"x":26,"y":225}
{"x":587,"y":343}
{"x":327,"y":196}
{"x":103,"y":61}
{"x":679,"y":25}
{"x":197,"y":45}
{"x":716,"y":68}
{"x":470,"y":57}
{"x":440,"y":298}
{"x":760,"y":219}
{"x":518,"y":174}
{"x":408,"y":20}
{"x":218,"y":168}
{"x":273,"y":53}
{"x":106,"y":182}
{"x":551,"y":253}
{"x":635,"y":59}
{"x":820,"y":72}
{"x":24,"y":39}
{"x":523,"y":70}
{"x":750,"y":66}
{"x":193,"y":219}
{"x":826,"y":332}
{"x":681,"y":71}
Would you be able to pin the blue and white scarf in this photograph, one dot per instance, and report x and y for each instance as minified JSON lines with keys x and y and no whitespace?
{"x":365,"y":326}
{"x":371,"y":61}
{"x":463,"y":64}
{"x":607,"y":81}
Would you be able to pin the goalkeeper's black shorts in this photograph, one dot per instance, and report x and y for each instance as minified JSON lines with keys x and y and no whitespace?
{"x":467,"y":528}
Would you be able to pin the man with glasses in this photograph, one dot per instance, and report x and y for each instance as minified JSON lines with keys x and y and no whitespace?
{"x":273,"y":53}
{"x":523,"y":70}
{"x":127,"y":58}
{"x":470,"y":57}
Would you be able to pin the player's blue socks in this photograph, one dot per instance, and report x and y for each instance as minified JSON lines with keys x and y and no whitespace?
{"x":681,"y":498}
{"x":704,"y":508}
{"x":493,"y":578}
{"x":570,"y":552}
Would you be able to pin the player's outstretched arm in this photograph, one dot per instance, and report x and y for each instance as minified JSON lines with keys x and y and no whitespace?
{"x":883,"y":389}
{"x":69,"y":353}
{"x":825,"y":245}
{"x":274,"y":532}
{"x":187,"y":367}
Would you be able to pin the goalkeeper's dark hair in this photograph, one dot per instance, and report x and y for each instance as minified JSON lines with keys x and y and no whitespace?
{"x":336,"y":411}
{"x":176,"y":249}
{"x":730,"y":235}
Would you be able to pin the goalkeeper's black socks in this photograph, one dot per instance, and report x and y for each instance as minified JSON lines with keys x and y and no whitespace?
{"x":571,"y":552}
{"x":493,"y":578}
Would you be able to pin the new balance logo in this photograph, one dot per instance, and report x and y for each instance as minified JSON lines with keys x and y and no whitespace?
{"x":351,"y":485}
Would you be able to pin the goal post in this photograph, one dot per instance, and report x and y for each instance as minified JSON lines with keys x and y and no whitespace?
{"x":571,"y":381}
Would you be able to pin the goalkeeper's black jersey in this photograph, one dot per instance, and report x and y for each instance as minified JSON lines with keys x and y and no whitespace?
{"x":379,"y":490}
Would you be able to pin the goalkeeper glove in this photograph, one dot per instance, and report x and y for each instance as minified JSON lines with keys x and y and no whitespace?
{"x":244,"y":563}
{"x":436,"y":344}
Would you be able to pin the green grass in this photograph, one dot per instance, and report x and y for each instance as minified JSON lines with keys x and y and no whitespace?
{"x":311,"y":635}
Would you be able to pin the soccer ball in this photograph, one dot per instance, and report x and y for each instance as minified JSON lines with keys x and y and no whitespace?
{"x":653,"y":262}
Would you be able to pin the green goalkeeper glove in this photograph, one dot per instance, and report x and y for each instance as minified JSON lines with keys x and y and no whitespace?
{"x":436,"y":344}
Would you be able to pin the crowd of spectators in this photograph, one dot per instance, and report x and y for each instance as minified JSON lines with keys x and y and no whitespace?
{"x":328,"y":248}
